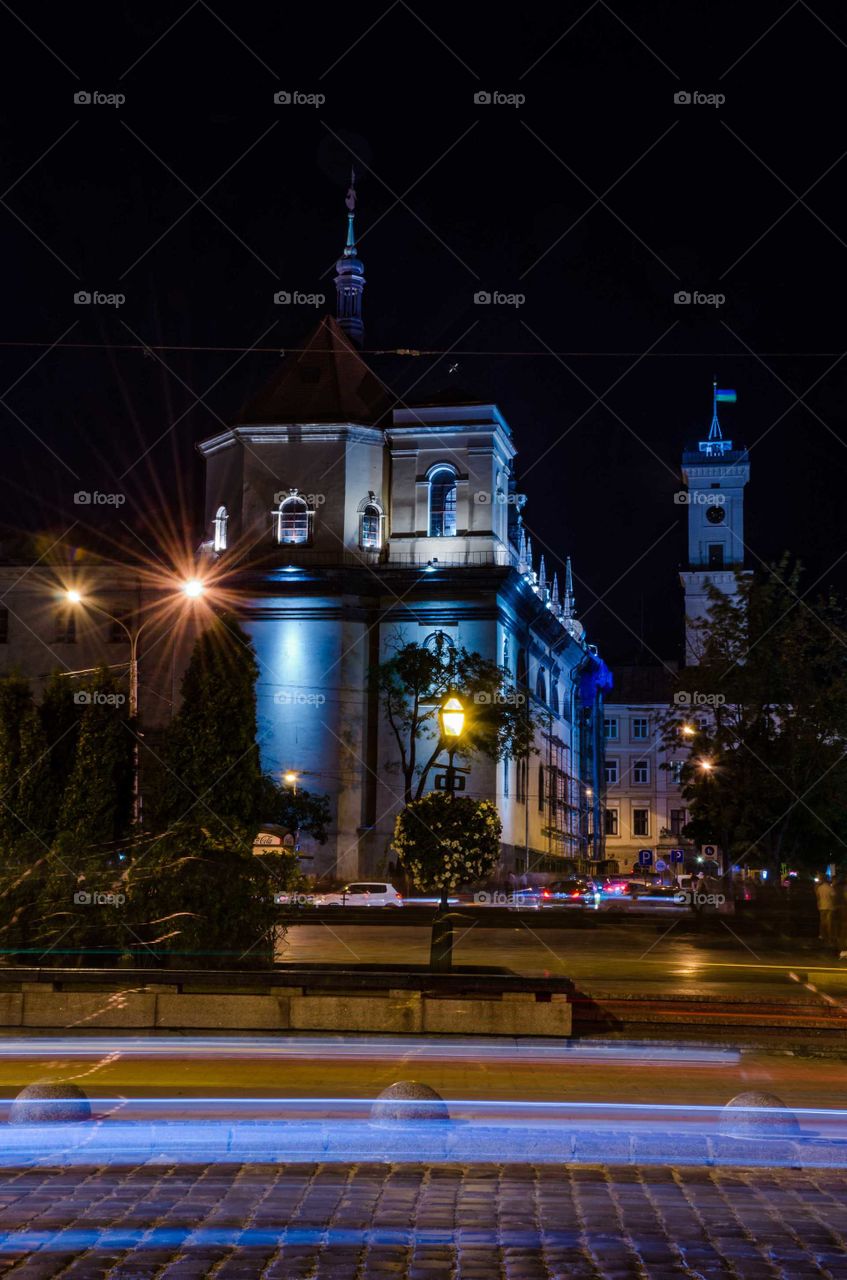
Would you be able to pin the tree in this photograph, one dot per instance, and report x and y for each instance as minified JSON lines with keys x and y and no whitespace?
{"x":295,"y":811}
{"x":414,"y":683}
{"x":60,"y":716}
{"x":767,"y":769}
{"x":445,"y":841}
{"x":211,"y":756}
{"x":20,"y":748}
{"x":200,"y":895}
{"x":97,"y":803}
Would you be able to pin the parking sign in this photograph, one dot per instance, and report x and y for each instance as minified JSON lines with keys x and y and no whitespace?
{"x":645,"y":857}
{"x":677,"y":855}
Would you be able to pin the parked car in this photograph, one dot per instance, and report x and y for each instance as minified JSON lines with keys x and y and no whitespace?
{"x":365,"y":893}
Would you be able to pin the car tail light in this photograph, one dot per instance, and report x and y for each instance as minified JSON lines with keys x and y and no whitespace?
{"x":545,"y":893}
{"x":576,"y":893}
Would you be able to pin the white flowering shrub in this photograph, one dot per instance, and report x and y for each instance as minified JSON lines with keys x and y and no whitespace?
{"x":445,"y":841}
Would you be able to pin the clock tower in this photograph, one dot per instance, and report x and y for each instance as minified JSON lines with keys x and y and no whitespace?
{"x":715,"y":473}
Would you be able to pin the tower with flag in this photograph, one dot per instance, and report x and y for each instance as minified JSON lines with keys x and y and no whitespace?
{"x":715,"y":471}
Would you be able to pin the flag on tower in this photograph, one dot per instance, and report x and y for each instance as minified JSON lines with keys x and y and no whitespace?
{"x":725,"y":397}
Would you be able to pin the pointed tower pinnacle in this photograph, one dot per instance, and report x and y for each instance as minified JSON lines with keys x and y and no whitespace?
{"x":555,"y":603}
{"x":542,"y":573}
{"x":350,"y":280}
{"x":569,"y":604}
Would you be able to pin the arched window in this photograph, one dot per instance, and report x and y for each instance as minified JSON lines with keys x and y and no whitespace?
{"x":554,"y":696}
{"x":293,"y":520}
{"x":370,"y":525}
{"x":220,"y":522}
{"x":439,"y":642}
{"x":442,"y":503}
{"x":541,"y":788}
{"x":522,"y":669}
{"x":541,"y":685}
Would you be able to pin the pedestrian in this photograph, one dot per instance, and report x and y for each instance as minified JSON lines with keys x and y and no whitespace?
{"x":825,"y":895}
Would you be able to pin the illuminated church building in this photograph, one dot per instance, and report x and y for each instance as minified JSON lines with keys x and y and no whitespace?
{"x":360,"y":519}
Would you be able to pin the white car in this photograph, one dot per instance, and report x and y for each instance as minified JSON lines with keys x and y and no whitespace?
{"x":365,"y":893}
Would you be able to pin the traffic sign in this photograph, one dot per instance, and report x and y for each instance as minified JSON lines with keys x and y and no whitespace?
{"x":661,"y":865}
{"x":645,"y":857}
{"x":677,"y":855}
{"x":709,"y":851}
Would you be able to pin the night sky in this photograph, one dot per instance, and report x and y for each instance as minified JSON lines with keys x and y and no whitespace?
{"x":598,"y":199}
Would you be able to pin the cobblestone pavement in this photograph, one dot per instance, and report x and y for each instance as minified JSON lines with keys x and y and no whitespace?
{"x":471,"y":1222}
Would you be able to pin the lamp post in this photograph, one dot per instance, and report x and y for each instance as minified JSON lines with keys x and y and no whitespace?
{"x":193,"y":588}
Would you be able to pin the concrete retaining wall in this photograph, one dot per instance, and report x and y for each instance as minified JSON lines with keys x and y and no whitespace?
{"x":151,"y":1007}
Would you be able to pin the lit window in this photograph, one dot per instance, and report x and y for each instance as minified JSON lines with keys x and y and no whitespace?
{"x":640,"y":727}
{"x":442,"y":503}
{"x":612,"y":775}
{"x":370,"y":527}
{"x":610,"y":728}
{"x":294,"y":520}
{"x":641,"y":771}
{"x":641,"y":822}
{"x":220,"y":524}
{"x":676,"y":772}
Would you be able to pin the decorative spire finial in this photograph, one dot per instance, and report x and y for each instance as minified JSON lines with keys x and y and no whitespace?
{"x":569,"y":604}
{"x":350,"y":280}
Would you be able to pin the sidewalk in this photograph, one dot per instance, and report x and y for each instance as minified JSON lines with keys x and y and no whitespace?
{"x":474,"y":1222}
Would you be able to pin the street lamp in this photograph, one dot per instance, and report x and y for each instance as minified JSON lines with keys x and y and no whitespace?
{"x":451,"y":718}
{"x":705,"y":765}
{"x":688,"y":730}
{"x":193,"y":588}
{"x":290,"y":780}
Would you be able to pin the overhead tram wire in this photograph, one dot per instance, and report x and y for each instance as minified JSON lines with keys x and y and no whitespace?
{"x":415,"y":352}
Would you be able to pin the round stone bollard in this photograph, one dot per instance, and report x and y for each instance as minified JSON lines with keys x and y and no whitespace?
{"x":48,"y":1103}
{"x":407,"y":1101}
{"x":758,"y":1115}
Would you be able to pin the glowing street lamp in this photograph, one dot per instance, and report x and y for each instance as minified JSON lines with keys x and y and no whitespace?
{"x":705,"y":765}
{"x":451,"y":718}
{"x":290,"y":778}
{"x":193,"y":588}
{"x":688,"y":730}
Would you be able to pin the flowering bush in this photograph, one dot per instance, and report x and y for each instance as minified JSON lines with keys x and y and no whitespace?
{"x":444,"y":841}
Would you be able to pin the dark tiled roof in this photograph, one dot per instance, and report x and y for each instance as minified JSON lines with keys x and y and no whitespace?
{"x":328,"y":381}
{"x":643,"y":684}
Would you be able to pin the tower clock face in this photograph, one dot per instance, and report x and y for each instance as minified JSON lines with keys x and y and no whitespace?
{"x":716,"y":515}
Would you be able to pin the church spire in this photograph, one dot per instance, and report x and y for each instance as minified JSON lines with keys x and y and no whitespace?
{"x":350,"y":280}
{"x":569,"y":604}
